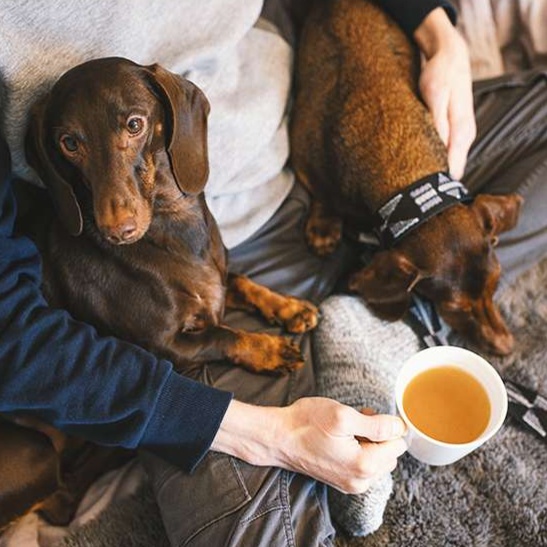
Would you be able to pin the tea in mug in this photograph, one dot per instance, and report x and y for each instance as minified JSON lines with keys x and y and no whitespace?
{"x":447,"y":404}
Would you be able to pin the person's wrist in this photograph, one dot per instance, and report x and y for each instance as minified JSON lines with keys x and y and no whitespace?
{"x":436,"y":33}
{"x":249,"y":432}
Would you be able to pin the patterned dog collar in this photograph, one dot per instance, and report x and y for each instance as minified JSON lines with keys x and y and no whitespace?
{"x":409,"y":208}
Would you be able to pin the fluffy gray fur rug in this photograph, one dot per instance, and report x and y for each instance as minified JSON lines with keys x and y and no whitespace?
{"x":495,"y":497}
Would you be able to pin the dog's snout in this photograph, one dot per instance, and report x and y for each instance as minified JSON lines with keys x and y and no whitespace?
{"x":123,"y":232}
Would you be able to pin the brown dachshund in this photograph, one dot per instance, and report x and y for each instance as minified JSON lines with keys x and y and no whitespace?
{"x":133,"y":248}
{"x":364,"y":145}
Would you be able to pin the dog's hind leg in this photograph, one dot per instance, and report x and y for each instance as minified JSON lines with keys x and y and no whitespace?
{"x":28,"y":470}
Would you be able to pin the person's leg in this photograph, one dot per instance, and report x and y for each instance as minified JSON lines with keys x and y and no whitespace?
{"x":510,"y":155}
{"x":226,"y":501}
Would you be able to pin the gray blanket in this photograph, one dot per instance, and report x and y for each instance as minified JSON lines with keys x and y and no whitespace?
{"x":496,"y":496}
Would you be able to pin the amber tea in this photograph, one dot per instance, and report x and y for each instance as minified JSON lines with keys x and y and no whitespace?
{"x":447,"y":404}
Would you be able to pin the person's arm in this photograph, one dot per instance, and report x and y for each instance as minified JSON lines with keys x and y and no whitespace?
{"x":445,"y":80}
{"x":410,"y":14}
{"x":99,"y":388}
{"x":111,"y":392}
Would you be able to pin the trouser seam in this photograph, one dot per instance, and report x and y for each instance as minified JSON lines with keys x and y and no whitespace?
{"x":286,"y":514}
{"x":320,"y":505}
{"x":262,"y":513}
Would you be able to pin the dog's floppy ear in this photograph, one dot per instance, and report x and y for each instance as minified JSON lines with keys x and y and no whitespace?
{"x":498,"y":213}
{"x":186,"y":109}
{"x":40,"y":156}
{"x":385,"y":284}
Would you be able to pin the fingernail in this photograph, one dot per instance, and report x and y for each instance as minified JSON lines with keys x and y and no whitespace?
{"x":398,"y":427}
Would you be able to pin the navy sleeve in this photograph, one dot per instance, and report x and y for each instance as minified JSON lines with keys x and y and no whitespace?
{"x":409,"y":14}
{"x":99,"y":388}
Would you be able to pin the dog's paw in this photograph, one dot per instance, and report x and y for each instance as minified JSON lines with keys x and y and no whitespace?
{"x":267,"y":353}
{"x":290,"y":356}
{"x":296,"y":315}
{"x":323,"y":234}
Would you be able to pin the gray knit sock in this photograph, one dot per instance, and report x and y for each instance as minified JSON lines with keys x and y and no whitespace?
{"x":357,"y":357}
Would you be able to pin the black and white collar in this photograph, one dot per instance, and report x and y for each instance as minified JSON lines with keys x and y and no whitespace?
{"x":409,"y":208}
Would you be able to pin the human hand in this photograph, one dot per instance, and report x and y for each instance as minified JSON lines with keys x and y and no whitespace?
{"x":340,"y":446}
{"x":446,"y":86}
{"x":318,"y":437}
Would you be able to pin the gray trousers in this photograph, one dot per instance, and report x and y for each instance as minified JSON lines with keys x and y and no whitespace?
{"x":227,"y":502}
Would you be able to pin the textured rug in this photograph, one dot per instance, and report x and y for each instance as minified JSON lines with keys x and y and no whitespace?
{"x":496,"y":496}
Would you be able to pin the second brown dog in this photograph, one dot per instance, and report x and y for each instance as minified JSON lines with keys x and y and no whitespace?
{"x":360,"y":136}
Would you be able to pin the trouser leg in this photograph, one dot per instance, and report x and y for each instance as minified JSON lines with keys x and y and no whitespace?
{"x":226,"y":501}
{"x":510,"y":155}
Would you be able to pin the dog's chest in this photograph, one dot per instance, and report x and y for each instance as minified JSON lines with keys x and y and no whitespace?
{"x":192,"y":264}
{"x":142,"y":292}
{"x":187,"y":287}
{"x":199,"y":294}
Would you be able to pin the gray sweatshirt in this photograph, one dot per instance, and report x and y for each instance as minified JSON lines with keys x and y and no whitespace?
{"x":243,"y":67}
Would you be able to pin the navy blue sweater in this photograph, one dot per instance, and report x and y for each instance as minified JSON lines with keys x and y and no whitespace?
{"x":102,"y":389}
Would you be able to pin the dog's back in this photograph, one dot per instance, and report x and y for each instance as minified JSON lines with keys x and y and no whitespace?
{"x":356,"y":83}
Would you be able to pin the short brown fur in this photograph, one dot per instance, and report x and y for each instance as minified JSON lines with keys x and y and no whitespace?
{"x":359,"y":135}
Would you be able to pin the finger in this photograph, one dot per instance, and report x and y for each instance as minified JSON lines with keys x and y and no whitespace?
{"x":462,"y":134}
{"x":440,"y":119}
{"x":379,"y":458}
{"x":457,"y":159}
{"x":385,"y":454}
{"x":380,"y":427}
{"x":437,"y":101}
{"x":367,"y":411}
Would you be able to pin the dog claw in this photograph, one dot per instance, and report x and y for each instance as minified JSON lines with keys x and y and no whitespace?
{"x":302,"y":322}
{"x":297,"y":316}
{"x":292,"y":357}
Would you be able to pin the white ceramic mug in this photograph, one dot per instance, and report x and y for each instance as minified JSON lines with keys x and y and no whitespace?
{"x":429,"y":450}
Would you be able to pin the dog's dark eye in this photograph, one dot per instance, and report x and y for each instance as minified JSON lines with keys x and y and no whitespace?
{"x":135,"y":125}
{"x":69,"y":143}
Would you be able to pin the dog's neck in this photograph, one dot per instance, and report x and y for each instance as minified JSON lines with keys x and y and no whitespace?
{"x":182,"y":222}
{"x":416,"y":204}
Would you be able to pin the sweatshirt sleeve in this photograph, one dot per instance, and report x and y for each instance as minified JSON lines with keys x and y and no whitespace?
{"x":99,"y":388}
{"x":409,"y":14}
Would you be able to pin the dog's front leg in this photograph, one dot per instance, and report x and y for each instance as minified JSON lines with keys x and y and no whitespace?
{"x":323,"y":229}
{"x":255,"y":351}
{"x":294,"y":314}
